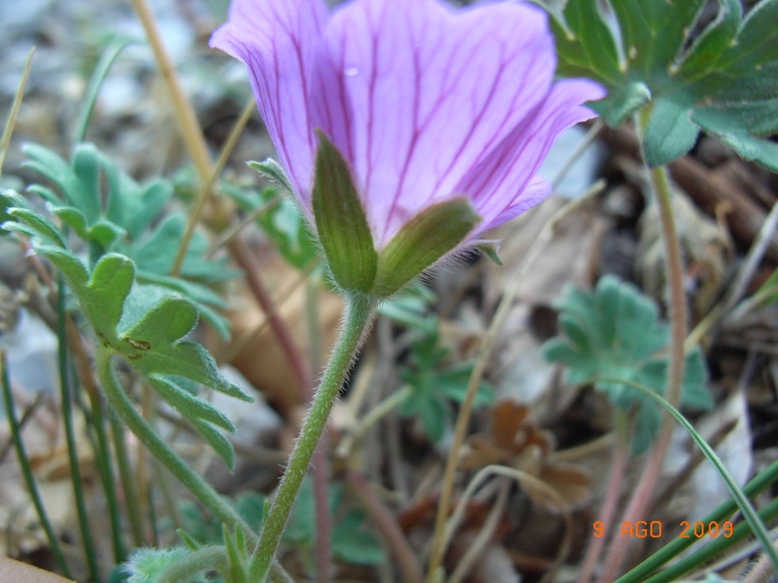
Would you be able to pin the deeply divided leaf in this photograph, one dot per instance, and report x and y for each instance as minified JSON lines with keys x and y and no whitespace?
{"x":615,"y":332}
{"x":721,"y":79}
{"x":142,"y":323}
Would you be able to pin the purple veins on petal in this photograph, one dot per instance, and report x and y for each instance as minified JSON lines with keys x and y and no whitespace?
{"x":435,"y":90}
{"x":424,"y":102}
{"x":504,"y":184}
{"x":278,"y":40}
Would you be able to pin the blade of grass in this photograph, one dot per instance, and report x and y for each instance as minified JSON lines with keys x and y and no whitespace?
{"x":17,"y":104}
{"x":719,"y":514}
{"x":749,"y":513}
{"x":710,"y":551}
{"x":70,"y":437}
{"x":24,"y":464}
{"x":26,"y":416}
{"x":106,"y":472}
{"x":127,"y":477}
{"x":111,"y":52}
{"x":152,"y":515}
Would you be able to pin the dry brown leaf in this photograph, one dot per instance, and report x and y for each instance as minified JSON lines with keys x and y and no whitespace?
{"x":515,"y":441}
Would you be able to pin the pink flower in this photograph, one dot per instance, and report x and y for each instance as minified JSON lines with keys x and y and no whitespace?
{"x":424,"y":102}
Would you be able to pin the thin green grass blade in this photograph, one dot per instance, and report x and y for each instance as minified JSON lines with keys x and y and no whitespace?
{"x":127,"y":477}
{"x":70,"y":437}
{"x":719,"y":514}
{"x":105,"y":470}
{"x":749,"y":513}
{"x":712,"y":550}
{"x":112,"y":51}
{"x":24,"y":464}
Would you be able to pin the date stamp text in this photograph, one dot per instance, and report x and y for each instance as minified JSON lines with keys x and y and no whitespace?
{"x":654,"y":529}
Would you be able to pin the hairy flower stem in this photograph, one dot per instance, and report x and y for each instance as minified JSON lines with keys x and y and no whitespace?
{"x":119,"y":402}
{"x":674,"y":268}
{"x":321,"y":471}
{"x":359,"y":310}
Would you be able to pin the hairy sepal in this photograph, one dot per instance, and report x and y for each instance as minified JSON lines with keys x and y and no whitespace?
{"x":341,"y":223}
{"x":421,"y":242}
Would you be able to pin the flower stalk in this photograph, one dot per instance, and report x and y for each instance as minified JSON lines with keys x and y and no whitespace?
{"x":358,"y":313}
{"x":677,"y":316}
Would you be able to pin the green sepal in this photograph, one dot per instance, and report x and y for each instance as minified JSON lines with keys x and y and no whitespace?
{"x":421,"y":242}
{"x":272,"y":170}
{"x":191,"y":543}
{"x":490,"y":251}
{"x":341,"y":223}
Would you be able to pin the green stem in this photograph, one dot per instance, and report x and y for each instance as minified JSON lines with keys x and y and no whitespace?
{"x":127,"y":477}
{"x":70,"y":437}
{"x":132,"y":419}
{"x":641,"y":496}
{"x":321,"y":469}
{"x":152,"y":515}
{"x":105,"y":468}
{"x":24,"y":464}
{"x":358,"y":314}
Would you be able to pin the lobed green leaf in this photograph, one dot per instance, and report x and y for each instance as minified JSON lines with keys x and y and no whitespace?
{"x":722,"y":79}
{"x":615,"y":332}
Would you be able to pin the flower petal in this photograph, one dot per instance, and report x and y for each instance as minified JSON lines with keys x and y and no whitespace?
{"x":534,"y":193}
{"x":278,"y":40}
{"x":414,"y":94}
{"x":503,"y":184}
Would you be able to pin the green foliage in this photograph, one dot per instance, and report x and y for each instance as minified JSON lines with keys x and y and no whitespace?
{"x":111,"y":212}
{"x":350,"y":542}
{"x":202,"y":531}
{"x":615,"y":332}
{"x":435,"y":386}
{"x":281,"y":221}
{"x":143,"y":324}
{"x":767,"y":293}
{"x":722,"y":80}
{"x":412,"y":310}
{"x":146,"y":565}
